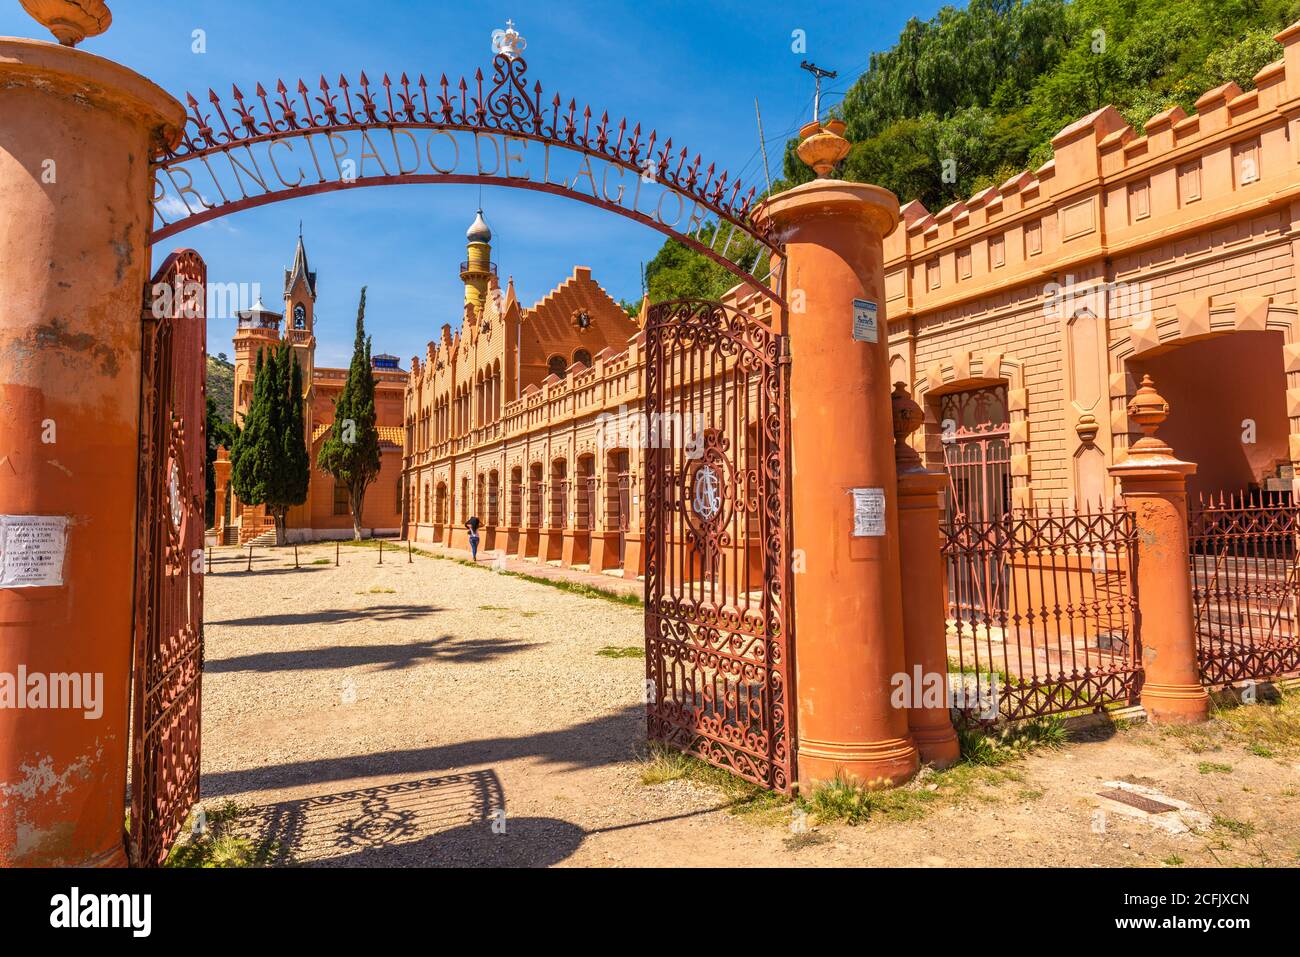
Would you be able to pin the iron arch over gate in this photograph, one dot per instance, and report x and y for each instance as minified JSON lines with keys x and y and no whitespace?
{"x":719,"y":608}
{"x":300,"y":142}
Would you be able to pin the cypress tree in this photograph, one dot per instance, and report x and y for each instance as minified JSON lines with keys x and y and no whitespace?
{"x":269,"y":461}
{"x":350,"y":451}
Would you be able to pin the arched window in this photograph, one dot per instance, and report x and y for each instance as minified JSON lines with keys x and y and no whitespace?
{"x":556,"y":366}
{"x":583,"y":356}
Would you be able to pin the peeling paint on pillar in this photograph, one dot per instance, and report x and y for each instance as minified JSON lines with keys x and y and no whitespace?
{"x":72,"y":279}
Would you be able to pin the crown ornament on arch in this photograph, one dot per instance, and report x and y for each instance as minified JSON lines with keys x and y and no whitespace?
{"x":508,"y":42}
{"x":71,"y":21}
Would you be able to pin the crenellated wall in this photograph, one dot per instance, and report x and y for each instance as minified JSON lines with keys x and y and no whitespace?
{"x":1063,"y":282}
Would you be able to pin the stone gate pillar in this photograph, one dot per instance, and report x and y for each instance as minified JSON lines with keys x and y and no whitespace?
{"x":925,"y":645}
{"x":848,"y":608}
{"x":1154,"y":484}
{"x":76,"y":134}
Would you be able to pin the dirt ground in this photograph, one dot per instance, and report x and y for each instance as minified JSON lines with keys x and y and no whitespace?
{"x":431,"y":714}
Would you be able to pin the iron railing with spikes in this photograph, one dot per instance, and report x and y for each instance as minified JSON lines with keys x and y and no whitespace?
{"x":1244,"y":552}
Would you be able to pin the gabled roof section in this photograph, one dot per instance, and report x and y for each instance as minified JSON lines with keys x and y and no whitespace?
{"x":551,"y":318}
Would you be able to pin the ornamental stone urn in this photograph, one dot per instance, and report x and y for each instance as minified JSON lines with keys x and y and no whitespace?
{"x":71,"y":21}
{"x":822,"y":145}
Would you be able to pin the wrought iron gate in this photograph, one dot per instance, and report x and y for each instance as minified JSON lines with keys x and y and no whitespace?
{"x":719,"y":618}
{"x":168,"y":643}
{"x":1245,"y":567}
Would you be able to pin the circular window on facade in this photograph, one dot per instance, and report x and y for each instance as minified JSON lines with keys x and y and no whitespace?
{"x":174,"y":494}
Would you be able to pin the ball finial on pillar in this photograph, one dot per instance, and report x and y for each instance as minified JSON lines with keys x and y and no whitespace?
{"x":71,"y":21}
{"x":822,"y":145}
{"x":908,"y":417}
{"x":1149,"y":410}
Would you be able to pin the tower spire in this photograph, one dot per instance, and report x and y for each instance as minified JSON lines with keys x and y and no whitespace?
{"x":478,"y":268}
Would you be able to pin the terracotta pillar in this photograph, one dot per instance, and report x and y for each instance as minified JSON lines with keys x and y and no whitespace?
{"x":76,"y":134}
{"x":848,"y":608}
{"x":1154,"y":486}
{"x":221,"y":468}
{"x":925,"y":641}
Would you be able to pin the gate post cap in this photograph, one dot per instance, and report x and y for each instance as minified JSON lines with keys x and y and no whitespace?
{"x":829,"y":198}
{"x":105,"y":84}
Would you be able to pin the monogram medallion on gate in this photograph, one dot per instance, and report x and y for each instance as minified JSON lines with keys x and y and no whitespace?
{"x":708,"y":485}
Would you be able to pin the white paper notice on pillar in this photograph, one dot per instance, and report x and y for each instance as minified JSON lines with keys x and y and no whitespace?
{"x":868,"y":512}
{"x":866,"y":327}
{"x":32,"y":549}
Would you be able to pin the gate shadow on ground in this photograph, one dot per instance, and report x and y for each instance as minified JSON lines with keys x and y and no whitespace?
{"x":454,"y":820}
{"x":334,"y":616}
{"x":241,"y":573}
{"x":604,"y":740}
{"x":447,"y":648}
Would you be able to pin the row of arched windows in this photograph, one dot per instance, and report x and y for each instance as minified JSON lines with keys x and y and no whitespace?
{"x":529,"y":502}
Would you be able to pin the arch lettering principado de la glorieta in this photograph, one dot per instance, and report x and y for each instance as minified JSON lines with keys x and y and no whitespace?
{"x":290,"y":143}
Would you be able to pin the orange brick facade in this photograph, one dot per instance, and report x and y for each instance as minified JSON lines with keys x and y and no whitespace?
{"x":325,"y":513}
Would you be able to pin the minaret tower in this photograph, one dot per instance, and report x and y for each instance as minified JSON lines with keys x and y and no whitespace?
{"x":478,"y":263}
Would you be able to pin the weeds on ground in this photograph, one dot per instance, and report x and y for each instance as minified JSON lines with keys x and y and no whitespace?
{"x":984,"y":763}
{"x":1210,"y":767}
{"x":743,"y":798}
{"x":219,"y":845}
{"x":630,"y":651}
{"x":987,"y":749}
{"x":1242,"y":829}
{"x":1269,"y":727}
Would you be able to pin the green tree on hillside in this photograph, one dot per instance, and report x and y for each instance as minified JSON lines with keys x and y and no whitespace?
{"x":350,"y":451}
{"x":978,"y":93}
{"x":269,"y":461}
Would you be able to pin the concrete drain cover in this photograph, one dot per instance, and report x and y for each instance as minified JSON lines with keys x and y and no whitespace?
{"x":1139,"y":801}
{"x":1156,"y":810}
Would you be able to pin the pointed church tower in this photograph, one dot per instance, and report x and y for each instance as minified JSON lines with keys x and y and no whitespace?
{"x":478,"y":265}
{"x":300,"y":311}
{"x":300,"y":325}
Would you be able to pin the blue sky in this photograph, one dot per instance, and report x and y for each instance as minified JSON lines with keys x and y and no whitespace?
{"x":690,"y":70}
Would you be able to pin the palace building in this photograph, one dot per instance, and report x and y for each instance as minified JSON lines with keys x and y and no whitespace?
{"x":326,"y":513}
{"x":502,"y":422}
{"x":1021,"y":319}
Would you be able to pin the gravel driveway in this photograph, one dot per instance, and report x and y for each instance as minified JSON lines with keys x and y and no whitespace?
{"x":432,"y":714}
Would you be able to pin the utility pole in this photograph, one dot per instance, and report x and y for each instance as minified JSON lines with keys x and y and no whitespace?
{"x":818,"y":73}
{"x":762,"y":145}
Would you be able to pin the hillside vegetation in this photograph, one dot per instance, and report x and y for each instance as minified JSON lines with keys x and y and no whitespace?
{"x":966,"y":99}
